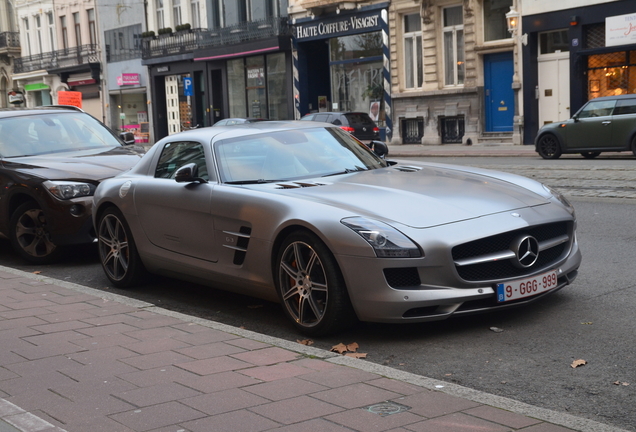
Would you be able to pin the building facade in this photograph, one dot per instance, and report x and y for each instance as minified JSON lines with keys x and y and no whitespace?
{"x":576,"y":51}
{"x":9,"y":49}
{"x":456,"y":75}
{"x":236,"y":64}
{"x":60,"y":52}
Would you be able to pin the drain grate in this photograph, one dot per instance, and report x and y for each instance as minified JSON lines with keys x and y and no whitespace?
{"x":386,"y":408}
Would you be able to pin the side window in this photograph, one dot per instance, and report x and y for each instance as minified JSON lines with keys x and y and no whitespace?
{"x":321,"y":117}
{"x":597,"y":109}
{"x":176,"y":154}
{"x":625,"y":106}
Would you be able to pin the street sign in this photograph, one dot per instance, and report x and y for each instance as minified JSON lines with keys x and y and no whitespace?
{"x":188,"y":87}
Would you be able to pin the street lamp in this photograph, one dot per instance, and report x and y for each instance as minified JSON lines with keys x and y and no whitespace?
{"x":512,"y":19}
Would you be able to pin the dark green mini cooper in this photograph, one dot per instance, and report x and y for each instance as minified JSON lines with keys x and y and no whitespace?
{"x":605,"y":124}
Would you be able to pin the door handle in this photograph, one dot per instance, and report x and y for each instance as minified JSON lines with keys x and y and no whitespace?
{"x":606,"y":122}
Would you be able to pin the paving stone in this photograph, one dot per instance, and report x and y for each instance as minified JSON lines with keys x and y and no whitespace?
{"x":9,"y":314}
{"x":214,"y":365}
{"x":153,"y":417}
{"x":156,"y":376}
{"x":456,"y":422}
{"x":285,"y":388}
{"x":107,"y":329}
{"x":314,"y":425}
{"x":106,"y":341}
{"x":155,"y":360}
{"x":105,"y":354}
{"x":248,"y":344}
{"x":155,"y":346}
{"x":274,"y":372}
{"x":202,"y":337}
{"x":267,"y":356}
{"x":215,"y":349}
{"x":225,"y":401}
{"x":216,"y":382}
{"x":338,"y":376}
{"x":160,"y":393}
{"x":395,"y":386}
{"x":434,"y":404}
{"x":365,"y":421}
{"x":503,"y":417}
{"x":296,"y":410}
{"x":546,"y":427}
{"x":355,"y":395}
{"x":236,"y":421}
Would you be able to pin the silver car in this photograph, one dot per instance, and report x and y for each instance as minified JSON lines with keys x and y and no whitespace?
{"x":301,"y":213}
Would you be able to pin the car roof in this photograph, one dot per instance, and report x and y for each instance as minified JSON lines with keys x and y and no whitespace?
{"x":625,"y":96}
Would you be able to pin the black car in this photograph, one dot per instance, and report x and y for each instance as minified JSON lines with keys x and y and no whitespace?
{"x":358,"y":124}
{"x":51,"y":161}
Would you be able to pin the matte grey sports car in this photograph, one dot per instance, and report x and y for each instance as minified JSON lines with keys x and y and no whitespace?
{"x":302,"y":213}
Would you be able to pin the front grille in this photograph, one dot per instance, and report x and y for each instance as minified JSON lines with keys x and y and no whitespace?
{"x":504,"y":268}
{"x":402,"y":277}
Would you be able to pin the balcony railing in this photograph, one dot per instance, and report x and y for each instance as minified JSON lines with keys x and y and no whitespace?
{"x":189,"y":41}
{"x":9,"y":40}
{"x":69,"y":57}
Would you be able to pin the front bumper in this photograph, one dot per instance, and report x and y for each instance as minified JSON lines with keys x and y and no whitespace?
{"x":69,"y":221}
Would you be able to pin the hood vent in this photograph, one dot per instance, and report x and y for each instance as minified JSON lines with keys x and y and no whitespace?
{"x":407,"y":168}
{"x":297,"y":185}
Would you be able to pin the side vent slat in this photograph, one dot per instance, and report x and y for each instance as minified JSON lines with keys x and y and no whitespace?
{"x":242,"y":241}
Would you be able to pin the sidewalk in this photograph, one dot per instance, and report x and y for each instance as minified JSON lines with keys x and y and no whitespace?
{"x":77,"y":359}
{"x":462,"y":150}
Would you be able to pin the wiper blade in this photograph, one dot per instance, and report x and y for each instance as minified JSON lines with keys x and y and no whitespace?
{"x":347,"y":171}
{"x":259,"y":181}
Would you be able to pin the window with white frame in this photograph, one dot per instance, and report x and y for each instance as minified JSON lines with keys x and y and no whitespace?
{"x":495,"y":25}
{"x":27,"y":36}
{"x":454,"y":64}
{"x":92,"y":29}
{"x":195,"y":10}
{"x":38,"y":32}
{"x":160,"y":18}
{"x":51,"y":25}
{"x":78,"y":29}
{"x":413,"y":73}
{"x":64,"y":32}
{"x":176,"y":12}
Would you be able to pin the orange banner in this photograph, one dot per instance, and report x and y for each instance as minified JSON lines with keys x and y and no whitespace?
{"x":69,"y":98}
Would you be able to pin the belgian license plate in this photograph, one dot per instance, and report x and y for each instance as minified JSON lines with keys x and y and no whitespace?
{"x":527,"y":287}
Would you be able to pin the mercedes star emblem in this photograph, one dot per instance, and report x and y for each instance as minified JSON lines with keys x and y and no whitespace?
{"x":526,"y":249}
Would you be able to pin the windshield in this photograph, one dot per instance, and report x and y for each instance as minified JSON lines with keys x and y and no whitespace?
{"x":37,"y":134}
{"x":291,"y":155}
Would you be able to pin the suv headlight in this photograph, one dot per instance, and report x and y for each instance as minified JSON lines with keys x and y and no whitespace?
{"x":67,"y":189}
{"x":387,"y":242}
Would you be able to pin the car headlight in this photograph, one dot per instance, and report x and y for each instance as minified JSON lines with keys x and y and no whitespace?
{"x":387,"y":242}
{"x":559,"y":196}
{"x":67,"y":189}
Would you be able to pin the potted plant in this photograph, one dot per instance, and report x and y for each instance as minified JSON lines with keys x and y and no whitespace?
{"x":183,"y":28}
{"x":165,"y":32}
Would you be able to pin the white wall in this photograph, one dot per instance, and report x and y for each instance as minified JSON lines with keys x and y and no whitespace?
{"x":531,"y":7}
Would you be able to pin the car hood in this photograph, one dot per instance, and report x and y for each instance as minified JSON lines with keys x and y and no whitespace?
{"x":82,"y":164}
{"x":419,"y":197}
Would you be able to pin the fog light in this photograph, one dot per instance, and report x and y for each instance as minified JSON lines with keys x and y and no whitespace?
{"x":77,"y":210}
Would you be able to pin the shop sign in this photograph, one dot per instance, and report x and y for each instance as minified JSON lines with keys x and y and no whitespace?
{"x":255,"y":73}
{"x":163,"y":69}
{"x":72,"y":98}
{"x":15,"y":97}
{"x":620,"y":30}
{"x":128,"y":79}
{"x":81,"y":82}
{"x":337,"y":26}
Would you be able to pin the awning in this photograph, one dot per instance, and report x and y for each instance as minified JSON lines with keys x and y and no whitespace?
{"x":36,"y":86}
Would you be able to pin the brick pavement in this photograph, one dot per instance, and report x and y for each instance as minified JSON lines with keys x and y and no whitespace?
{"x":76,"y":359}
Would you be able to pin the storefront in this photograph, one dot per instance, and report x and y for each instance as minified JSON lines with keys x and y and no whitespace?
{"x":592,"y":49}
{"x":128,"y":103}
{"x":342,"y":64}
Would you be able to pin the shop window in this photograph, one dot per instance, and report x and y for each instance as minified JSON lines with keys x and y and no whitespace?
{"x":413,"y":73}
{"x":454,"y":66}
{"x":554,"y":42}
{"x":451,"y":129}
{"x":276,"y":87}
{"x":611,"y":74}
{"x":78,"y":29}
{"x":412,"y":130}
{"x":236,"y":87}
{"x":495,"y":25}
{"x":255,"y":67}
{"x":356,"y":85}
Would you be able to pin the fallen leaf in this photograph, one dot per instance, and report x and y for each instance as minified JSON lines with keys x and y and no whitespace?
{"x":340,"y":348}
{"x":353,"y":347}
{"x":620,"y":383}
{"x":37,"y":272}
{"x":496,"y":329}
{"x":577,"y":363}
{"x":356,"y":355}
{"x":587,"y":323}
{"x":307,"y":342}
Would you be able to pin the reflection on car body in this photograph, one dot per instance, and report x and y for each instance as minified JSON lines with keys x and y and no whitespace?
{"x":301,"y":213}
{"x":605,"y":124}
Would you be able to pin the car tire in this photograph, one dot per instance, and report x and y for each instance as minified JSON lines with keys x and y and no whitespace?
{"x":548,"y":147}
{"x":311,"y":287}
{"x":117,"y":250}
{"x":590,"y":155}
{"x":29,"y":234}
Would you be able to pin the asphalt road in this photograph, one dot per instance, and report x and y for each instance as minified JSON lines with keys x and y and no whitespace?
{"x":529,"y":357}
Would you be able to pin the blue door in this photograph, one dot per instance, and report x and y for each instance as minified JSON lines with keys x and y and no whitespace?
{"x":498,"y":94}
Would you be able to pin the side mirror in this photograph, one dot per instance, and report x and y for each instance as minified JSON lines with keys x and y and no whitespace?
{"x":379,"y":148}
{"x":127,"y":137}
{"x":188,"y":173}
{"x":575,"y":117}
